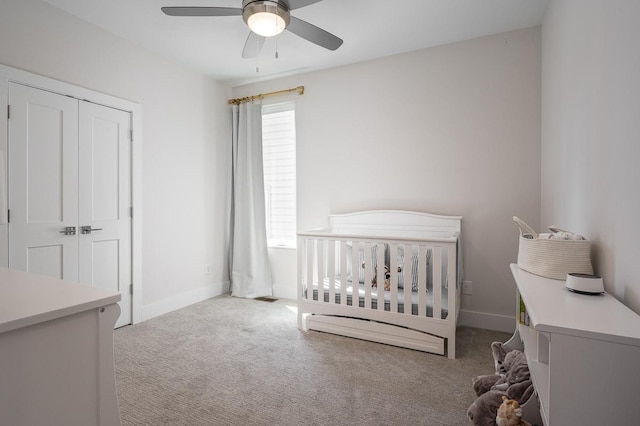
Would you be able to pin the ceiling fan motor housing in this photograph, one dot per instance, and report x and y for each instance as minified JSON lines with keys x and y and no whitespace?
{"x":279,"y":8}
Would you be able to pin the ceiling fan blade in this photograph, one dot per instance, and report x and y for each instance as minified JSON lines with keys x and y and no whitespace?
{"x":314,"y":34}
{"x":297,"y":4}
{"x":253,"y":45}
{"x":201,"y":11}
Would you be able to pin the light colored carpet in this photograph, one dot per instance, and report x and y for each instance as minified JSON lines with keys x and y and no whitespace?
{"x":229,"y":361}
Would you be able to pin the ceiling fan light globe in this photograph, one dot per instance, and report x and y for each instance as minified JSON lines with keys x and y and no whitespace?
{"x":266,"y":18}
{"x":266,"y":24}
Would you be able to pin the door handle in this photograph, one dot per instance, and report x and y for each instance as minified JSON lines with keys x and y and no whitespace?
{"x":88,"y":229}
{"x":68,"y":230}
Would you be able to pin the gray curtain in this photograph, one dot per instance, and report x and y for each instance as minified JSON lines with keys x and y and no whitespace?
{"x":249,"y":263}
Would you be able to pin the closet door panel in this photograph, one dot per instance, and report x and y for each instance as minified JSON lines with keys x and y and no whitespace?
{"x":43,"y":179}
{"x":105,"y":147}
{"x":46,"y":260}
{"x":105,"y":200}
{"x":44,"y":159}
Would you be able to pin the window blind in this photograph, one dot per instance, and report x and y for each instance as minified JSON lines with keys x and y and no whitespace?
{"x":279,"y":164}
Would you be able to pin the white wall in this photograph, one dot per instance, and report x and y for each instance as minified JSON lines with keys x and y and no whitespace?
{"x":448,"y":130}
{"x":591,"y":133}
{"x":184,"y":152}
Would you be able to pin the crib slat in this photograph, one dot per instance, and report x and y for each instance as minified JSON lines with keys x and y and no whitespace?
{"x":331,"y":269}
{"x":422,"y":280}
{"x":408,"y":279}
{"x":355,"y":273}
{"x":393,"y":268}
{"x":343,"y":272}
{"x":367,"y":275}
{"x":380,"y":276}
{"x":302,"y":285}
{"x":320,"y":268}
{"x":310,"y":256}
{"x":452,"y":287}
{"x":302,"y":254}
{"x":437,"y":282}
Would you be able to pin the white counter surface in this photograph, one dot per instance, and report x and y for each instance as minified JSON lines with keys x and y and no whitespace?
{"x":27,"y":299}
{"x":553,"y":308}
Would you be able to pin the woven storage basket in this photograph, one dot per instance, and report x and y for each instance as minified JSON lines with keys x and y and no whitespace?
{"x":552,"y":258}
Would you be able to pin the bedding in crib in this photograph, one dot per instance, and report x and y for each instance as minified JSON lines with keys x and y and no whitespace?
{"x":325,"y":292}
{"x":373,"y":258}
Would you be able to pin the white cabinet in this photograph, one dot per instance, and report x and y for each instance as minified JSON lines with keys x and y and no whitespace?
{"x":56,"y":352}
{"x":583,"y":353}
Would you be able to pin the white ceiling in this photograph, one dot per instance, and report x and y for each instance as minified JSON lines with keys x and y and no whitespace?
{"x":370,"y":29}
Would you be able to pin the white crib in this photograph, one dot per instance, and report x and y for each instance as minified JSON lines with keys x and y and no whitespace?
{"x":336,"y":267}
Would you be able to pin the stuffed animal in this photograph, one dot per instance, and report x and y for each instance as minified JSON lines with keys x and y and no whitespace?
{"x":515,"y":368}
{"x":483,"y":411}
{"x":510,"y":413}
{"x":521,"y":392}
{"x":483,"y":384}
{"x":512,"y":380}
{"x":499,"y":350}
{"x":387,"y":278}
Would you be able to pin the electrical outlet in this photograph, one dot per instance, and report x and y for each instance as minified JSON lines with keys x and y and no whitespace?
{"x":467,"y":288}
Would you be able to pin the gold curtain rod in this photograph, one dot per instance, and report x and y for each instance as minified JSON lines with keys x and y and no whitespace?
{"x":238,"y":101}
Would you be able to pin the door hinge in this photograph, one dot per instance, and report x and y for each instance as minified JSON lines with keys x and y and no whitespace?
{"x":131,"y":212}
{"x":131,"y":135}
{"x":8,"y":112}
{"x":130,"y":288}
{"x":8,"y":216}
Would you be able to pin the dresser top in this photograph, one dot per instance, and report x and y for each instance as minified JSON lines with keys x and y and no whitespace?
{"x":27,"y":299}
{"x":553,"y":308}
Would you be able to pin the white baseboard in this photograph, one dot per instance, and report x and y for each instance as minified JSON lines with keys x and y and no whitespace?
{"x":495,"y":322}
{"x":184,"y":299}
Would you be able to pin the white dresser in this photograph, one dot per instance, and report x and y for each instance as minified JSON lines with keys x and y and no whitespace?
{"x":583,"y":353}
{"x":56,"y":352}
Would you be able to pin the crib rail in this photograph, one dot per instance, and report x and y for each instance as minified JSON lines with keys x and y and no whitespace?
{"x":338,"y":270}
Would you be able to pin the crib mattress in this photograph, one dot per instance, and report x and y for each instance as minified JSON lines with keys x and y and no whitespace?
{"x":387,"y":298}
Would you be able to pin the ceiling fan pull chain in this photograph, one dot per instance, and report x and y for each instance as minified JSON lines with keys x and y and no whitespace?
{"x":258,"y":56}
{"x":277,"y":48}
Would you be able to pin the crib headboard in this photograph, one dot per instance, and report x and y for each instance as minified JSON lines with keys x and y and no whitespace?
{"x":394,"y":223}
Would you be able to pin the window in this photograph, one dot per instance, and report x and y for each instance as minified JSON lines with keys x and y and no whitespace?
{"x":279,"y":163}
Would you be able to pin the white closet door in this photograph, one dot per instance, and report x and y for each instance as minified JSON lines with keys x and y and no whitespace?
{"x":105,"y":201}
{"x":70,"y":167}
{"x":43,"y":182}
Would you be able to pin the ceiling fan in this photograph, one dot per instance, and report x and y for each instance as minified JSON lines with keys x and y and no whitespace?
{"x":265,"y":18}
